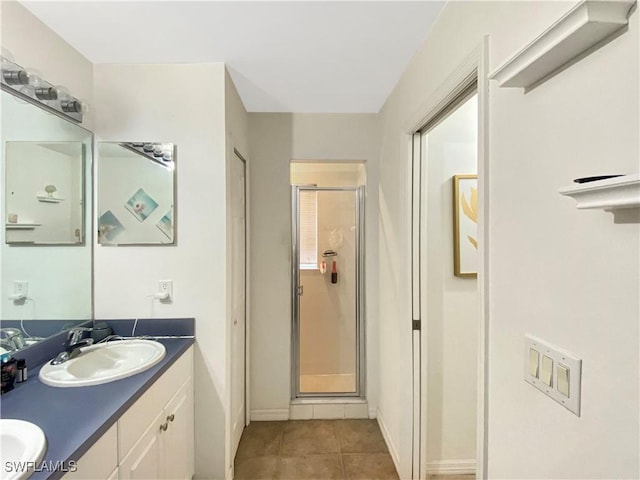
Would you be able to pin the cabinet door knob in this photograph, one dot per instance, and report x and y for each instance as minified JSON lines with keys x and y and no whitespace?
{"x":163,"y":427}
{"x":171,"y":417}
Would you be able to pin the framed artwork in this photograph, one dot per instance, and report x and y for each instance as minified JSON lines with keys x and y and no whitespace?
{"x":141,"y":205}
{"x":465,"y":226}
{"x":165,"y":224}
{"x":109,"y":227}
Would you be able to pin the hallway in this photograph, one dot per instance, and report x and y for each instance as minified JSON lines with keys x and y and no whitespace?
{"x":314,"y":449}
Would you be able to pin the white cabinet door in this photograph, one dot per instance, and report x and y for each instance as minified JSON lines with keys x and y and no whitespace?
{"x":144,"y":460}
{"x":177,"y":440}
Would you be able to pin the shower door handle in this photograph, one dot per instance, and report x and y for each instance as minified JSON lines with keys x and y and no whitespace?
{"x":300,"y":290}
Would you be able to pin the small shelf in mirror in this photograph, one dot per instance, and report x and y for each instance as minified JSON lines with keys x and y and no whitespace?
{"x":48,"y":199}
{"x":22,"y":226}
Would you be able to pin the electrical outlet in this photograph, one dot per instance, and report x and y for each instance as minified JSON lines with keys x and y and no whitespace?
{"x":165,"y":290}
{"x":20,"y":290}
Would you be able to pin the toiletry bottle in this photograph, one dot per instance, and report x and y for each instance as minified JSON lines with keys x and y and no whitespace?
{"x":22,"y":370}
{"x":8,"y":374}
{"x":334,"y":272}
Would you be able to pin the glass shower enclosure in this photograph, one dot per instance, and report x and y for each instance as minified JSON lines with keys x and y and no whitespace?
{"x":327,"y":291}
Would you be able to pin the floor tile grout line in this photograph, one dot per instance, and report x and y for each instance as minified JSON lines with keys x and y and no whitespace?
{"x":337,"y":436}
{"x":279,"y":456}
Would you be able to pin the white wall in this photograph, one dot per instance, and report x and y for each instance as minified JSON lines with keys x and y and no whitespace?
{"x":140,"y":103}
{"x":276,"y":139}
{"x":567,"y":276}
{"x":60,"y":64}
{"x":451,"y":302}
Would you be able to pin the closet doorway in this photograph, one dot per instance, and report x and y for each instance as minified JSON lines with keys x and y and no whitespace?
{"x":446,"y":294}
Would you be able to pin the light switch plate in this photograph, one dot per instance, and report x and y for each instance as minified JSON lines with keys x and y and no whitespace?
{"x":559,"y":356}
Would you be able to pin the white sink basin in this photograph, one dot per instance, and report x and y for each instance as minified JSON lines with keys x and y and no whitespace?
{"x":104,"y":363}
{"x":20,"y":442}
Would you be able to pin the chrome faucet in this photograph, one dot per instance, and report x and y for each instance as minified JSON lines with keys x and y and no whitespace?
{"x":74,"y":345}
{"x":11,"y":338}
{"x":76,"y":334}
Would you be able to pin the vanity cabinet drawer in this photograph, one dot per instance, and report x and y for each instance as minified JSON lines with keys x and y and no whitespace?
{"x":135,"y":421}
{"x":100,"y":460}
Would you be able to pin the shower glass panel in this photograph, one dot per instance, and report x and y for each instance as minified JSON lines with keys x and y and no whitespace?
{"x":327,"y":284}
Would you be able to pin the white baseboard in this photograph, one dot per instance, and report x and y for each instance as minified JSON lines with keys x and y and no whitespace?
{"x":270,"y":415}
{"x":373,"y":412}
{"x":387,"y":438}
{"x":451,"y":467}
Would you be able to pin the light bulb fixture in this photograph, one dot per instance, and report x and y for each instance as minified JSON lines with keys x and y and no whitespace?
{"x":15,"y":77}
{"x":29,"y":85}
{"x":159,"y":153}
{"x":46,"y":93}
{"x":72,"y":105}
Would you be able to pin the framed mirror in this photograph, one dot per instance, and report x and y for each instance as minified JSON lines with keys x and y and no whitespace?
{"x":45,"y":251}
{"x":136,"y":193}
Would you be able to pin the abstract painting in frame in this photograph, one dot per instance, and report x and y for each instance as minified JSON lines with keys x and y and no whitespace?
{"x":465,"y":226}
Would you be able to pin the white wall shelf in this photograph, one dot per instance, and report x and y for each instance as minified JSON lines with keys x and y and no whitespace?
{"x":609,"y":194}
{"x":587,"y":24}
{"x":22,"y":226}
{"x":47,"y":199}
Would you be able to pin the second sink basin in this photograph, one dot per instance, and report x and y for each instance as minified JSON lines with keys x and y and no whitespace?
{"x":22,"y":445}
{"x":104,"y":363}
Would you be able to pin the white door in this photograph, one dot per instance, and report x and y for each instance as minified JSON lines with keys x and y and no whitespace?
{"x":238,"y":299}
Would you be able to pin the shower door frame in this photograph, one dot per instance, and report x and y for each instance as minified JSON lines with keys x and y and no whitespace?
{"x":359,"y":301}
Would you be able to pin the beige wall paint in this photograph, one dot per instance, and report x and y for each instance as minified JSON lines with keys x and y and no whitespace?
{"x":276,"y":139}
{"x":567,"y":276}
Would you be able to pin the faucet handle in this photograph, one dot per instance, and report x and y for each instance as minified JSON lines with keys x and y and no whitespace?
{"x":75,"y":334}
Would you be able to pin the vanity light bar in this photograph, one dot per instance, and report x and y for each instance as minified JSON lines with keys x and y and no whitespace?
{"x":30,"y":87}
{"x":161,"y":153}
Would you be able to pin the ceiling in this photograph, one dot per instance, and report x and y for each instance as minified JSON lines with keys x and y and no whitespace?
{"x":343,"y":56}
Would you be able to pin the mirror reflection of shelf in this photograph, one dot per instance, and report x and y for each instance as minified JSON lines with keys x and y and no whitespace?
{"x":22,"y":226}
{"x":47,"y":199}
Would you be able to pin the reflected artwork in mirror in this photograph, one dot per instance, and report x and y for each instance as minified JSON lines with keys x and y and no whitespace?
{"x":46,"y":262}
{"x":136,"y":193}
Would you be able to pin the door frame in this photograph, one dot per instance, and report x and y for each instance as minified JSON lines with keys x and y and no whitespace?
{"x":474,"y":68}
{"x":246,"y":352}
{"x":360,"y":289}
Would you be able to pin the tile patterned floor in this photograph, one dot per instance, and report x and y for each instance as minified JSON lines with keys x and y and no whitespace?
{"x":314,"y":450}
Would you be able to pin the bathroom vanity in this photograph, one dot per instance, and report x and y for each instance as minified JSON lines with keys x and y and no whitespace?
{"x":153,"y":438}
{"x":136,"y":427}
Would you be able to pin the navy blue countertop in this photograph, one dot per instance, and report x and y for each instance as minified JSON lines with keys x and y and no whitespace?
{"x":73,"y":419}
